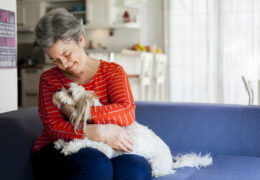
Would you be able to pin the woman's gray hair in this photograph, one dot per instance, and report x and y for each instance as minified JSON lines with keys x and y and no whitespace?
{"x":58,"y":24}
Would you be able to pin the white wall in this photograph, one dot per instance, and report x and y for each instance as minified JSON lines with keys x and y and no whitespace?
{"x":155,"y":31}
{"x":8,"y":77}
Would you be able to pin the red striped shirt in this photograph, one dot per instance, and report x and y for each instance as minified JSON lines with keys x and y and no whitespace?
{"x":110,"y":84}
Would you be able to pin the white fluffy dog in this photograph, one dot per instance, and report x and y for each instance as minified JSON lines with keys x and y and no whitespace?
{"x":146,"y":142}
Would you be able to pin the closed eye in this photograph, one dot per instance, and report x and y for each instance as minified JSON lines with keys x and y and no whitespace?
{"x":67,"y":53}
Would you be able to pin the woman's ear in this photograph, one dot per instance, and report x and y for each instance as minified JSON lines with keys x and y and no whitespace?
{"x":82,"y":41}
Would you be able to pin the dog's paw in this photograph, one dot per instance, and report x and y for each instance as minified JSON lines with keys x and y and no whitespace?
{"x":108,"y":152}
{"x":59,"y":144}
{"x":66,"y":152}
{"x":157,"y":173}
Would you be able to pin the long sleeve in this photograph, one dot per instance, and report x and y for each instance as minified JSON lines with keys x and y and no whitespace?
{"x":110,"y":84}
{"x":52,"y":119}
{"x":121,"y":108}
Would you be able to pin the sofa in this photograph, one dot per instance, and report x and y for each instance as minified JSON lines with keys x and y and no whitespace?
{"x":231,"y":133}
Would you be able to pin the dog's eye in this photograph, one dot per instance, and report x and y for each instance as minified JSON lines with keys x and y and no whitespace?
{"x":70,"y":93}
{"x":58,"y":90}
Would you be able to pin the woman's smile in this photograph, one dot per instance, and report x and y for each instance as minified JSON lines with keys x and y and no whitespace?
{"x":71,"y":66}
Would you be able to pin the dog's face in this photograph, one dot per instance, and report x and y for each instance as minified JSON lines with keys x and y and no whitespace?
{"x":82,"y":101}
{"x":76,"y":91}
{"x":63,"y":96}
{"x":72,"y":95}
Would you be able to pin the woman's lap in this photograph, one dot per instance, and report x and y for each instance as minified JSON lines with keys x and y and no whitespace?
{"x":131,"y":166}
{"x":89,"y":164}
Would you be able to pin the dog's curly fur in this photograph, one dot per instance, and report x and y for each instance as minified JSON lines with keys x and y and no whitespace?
{"x":146,"y":142}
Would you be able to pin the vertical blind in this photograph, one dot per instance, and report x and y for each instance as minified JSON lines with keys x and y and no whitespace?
{"x":211,"y":44}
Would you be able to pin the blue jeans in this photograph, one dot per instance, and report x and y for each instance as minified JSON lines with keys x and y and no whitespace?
{"x":88,"y":164}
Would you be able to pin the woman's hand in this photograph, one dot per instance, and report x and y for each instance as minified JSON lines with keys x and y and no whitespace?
{"x":111,"y":134}
{"x":117,"y":137}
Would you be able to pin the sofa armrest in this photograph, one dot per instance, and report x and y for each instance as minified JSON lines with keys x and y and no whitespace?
{"x":19,"y":130}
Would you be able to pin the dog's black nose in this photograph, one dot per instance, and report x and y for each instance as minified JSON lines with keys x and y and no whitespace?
{"x":58,"y":90}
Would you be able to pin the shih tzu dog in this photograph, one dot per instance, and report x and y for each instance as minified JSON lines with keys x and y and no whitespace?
{"x":146,"y":142}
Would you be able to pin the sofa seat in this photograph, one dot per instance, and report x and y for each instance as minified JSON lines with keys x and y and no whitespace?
{"x":223,"y":168}
{"x":229,"y":132}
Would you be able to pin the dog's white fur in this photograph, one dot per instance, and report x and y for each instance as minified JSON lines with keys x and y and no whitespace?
{"x":146,"y":142}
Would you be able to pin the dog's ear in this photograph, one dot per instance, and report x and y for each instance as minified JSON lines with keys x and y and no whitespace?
{"x":73,"y":84}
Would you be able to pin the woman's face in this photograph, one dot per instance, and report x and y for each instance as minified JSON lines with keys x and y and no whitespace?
{"x":68,"y":56}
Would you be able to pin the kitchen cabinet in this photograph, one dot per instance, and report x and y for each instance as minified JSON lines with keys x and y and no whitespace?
{"x":94,"y":13}
{"x":98,"y":13}
{"x":109,"y":14}
{"x":76,"y":7}
{"x":30,"y":11}
{"x":30,"y":77}
{"x":19,"y":11}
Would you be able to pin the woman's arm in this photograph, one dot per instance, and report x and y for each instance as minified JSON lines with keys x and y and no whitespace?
{"x":121,"y":109}
{"x":53,"y":120}
{"x":114,"y":135}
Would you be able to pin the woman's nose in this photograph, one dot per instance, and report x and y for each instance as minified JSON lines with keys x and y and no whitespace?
{"x":64,"y":62}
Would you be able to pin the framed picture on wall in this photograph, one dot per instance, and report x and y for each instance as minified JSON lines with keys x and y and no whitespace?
{"x":8,"y":57}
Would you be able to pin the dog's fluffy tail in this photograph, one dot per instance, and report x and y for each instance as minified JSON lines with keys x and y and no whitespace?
{"x":191,"y":160}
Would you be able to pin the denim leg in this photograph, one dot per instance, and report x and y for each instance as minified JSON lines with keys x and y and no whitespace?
{"x":131,"y":167}
{"x":48,"y":163}
{"x":91,"y":164}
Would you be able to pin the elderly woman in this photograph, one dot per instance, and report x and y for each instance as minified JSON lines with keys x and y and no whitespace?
{"x":61,"y":36}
